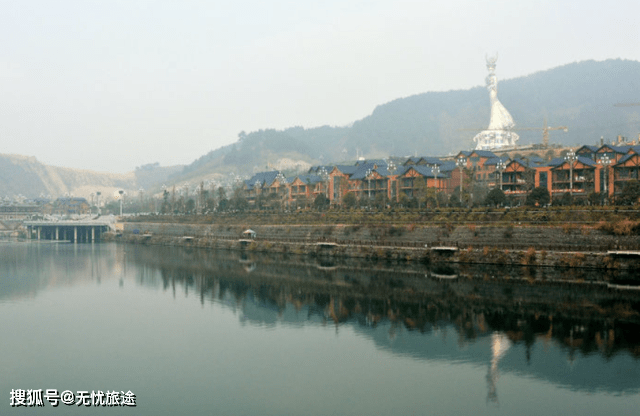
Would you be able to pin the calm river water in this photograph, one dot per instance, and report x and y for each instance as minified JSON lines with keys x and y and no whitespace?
{"x":197,"y":332}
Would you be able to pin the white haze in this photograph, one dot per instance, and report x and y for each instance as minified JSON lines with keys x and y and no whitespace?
{"x":110,"y":85}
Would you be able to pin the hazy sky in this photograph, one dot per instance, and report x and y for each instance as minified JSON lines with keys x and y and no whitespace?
{"x":110,"y":85}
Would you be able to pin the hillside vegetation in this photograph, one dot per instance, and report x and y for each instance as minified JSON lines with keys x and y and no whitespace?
{"x":580,"y":96}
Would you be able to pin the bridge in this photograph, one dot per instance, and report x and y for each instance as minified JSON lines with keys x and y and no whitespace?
{"x":77,"y":231}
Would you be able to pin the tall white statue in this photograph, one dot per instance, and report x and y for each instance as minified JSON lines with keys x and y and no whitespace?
{"x":498,"y":134}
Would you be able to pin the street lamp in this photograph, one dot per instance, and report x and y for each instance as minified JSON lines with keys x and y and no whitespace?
{"x":325,"y":178}
{"x":436,"y":170}
{"x":500,"y":167}
{"x":605,"y":161}
{"x":391,"y":166}
{"x":571,"y":158}
{"x":121,"y":192}
{"x":461,"y":163}
{"x":199,"y":195}
{"x":141,"y":193}
{"x":368,"y":176}
{"x":282,"y":189}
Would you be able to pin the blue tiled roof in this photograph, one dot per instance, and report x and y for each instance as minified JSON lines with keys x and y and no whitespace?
{"x":378,"y":162}
{"x":617,"y":149}
{"x":428,"y":160}
{"x":556,"y":161}
{"x":413,"y":159}
{"x":432,"y":161}
{"x":483,"y":153}
{"x":347,"y":169}
{"x":383,"y":171}
{"x":316,"y":169}
{"x":448,"y":166}
{"x":626,"y":157}
{"x":587,"y":161}
{"x":588,"y":147}
{"x":537,"y":160}
{"x":427,"y":171}
{"x":522,"y":162}
{"x":495,"y":160}
{"x":306,"y":178}
{"x":361,"y":172}
{"x":582,"y":159}
{"x":309,"y":178}
{"x":263,"y":178}
{"x":402,"y":169}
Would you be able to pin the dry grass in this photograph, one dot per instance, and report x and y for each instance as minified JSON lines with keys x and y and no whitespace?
{"x":530,"y":256}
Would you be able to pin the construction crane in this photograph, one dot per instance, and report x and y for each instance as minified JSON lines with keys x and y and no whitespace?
{"x":626,"y":104}
{"x":545,"y":131}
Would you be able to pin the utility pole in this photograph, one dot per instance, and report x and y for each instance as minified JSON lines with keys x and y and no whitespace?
{"x":571,"y":158}
{"x":500,"y":167}
{"x":461,"y":163}
{"x":605,"y":161}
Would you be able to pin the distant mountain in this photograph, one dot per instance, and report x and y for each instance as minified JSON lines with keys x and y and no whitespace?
{"x":580,"y":96}
{"x":27,"y":176}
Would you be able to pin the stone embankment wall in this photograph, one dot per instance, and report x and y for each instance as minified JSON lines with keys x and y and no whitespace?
{"x":462,"y":236}
{"x":539,"y":246}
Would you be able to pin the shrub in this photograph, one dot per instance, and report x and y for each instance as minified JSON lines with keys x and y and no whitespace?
{"x":530,"y":256}
{"x":508,"y":231}
{"x":567,"y":227}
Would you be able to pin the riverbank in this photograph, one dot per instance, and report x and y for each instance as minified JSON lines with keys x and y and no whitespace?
{"x":502,"y":245}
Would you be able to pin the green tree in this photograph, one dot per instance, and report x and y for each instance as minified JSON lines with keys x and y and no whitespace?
{"x":595,"y":198}
{"x":321,"y":202}
{"x":380,"y":201}
{"x":495,"y":197}
{"x":420,"y":190}
{"x":222,"y":193}
{"x":629,"y":194}
{"x":223,"y":204}
{"x":238,"y":201}
{"x":565,"y":200}
{"x":539,"y":196}
{"x":350,"y":200}
{"x":166,"y":206}
{"x":190,"y":206}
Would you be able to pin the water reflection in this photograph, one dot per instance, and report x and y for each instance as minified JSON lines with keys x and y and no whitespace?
{"x":534,"y":329}
{"x":583,"y":337}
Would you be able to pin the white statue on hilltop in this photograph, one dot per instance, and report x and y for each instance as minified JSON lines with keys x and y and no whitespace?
{"x":498,"y":134}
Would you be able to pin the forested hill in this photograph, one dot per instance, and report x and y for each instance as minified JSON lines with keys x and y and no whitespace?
{"x":580,"y":96}
{"x":31,"y":178}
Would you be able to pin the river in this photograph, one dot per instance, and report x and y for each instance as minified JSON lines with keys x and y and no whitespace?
{"x":199,"y":332}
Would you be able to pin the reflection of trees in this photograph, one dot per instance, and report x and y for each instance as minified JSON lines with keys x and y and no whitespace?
{"x":578,"y":318}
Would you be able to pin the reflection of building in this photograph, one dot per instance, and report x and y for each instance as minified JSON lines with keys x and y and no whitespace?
{"x":498,"y":321}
